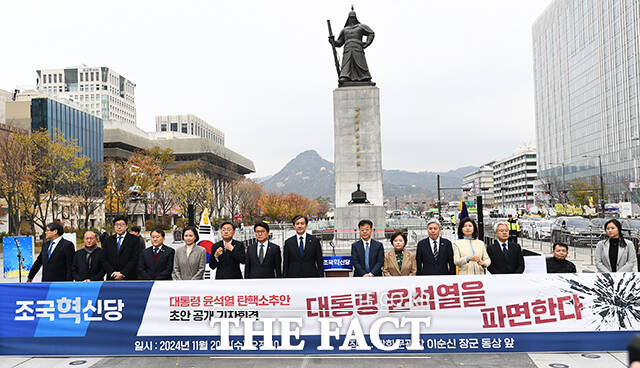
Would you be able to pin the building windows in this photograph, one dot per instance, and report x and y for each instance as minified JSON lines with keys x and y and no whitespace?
{"x":184,"y":127}
{"x":163,"y":127}
{"x":174,"y":126}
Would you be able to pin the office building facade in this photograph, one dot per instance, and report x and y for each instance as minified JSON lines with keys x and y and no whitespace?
{"x":514,"y":178}
{"x":101,"y":90}
{"x":189,"y":124}
{"x":36,"y":111}
{"x":586,"y":58}
{"x":480,"y":182}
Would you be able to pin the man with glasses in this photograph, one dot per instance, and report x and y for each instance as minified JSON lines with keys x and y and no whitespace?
{"x":227,"y":254}
{"x":264,"y":260}
{"x":121,"y":252}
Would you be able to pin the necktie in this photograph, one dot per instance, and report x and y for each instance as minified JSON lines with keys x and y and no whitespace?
{"x":366,"y":256}
{"x":261,"y":254}
{"x":156,"y":250}
{"x":119,"y":242}
{"x":301,"y":246}
{"x":435,"y":249}
{"x":51,"y":246}
{"x":504,"y":248}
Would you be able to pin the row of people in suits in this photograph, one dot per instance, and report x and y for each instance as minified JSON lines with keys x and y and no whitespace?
{"x":124,"y":257}
{"x":117,"y":259}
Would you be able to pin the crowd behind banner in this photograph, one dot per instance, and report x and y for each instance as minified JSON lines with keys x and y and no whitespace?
{"x":123,"y":255}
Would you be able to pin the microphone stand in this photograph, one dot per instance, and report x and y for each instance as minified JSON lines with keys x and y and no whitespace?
{"x":20,"y":260}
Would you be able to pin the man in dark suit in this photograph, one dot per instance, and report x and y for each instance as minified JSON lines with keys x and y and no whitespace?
{"x":506,"y":255}
{"x":227,"y":254}
{"x":156,"y":262}
{"x":367,"y":255}
{"x":264,"y":260}
{"x":56,"y":257}
{"x":121,"y":252}
{"x":87,"y":262}
{"x":302,"y":255}
{"x":434,"y":255}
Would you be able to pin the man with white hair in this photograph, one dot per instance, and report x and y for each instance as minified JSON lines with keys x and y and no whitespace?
{"x":434,"y":255}
{"x":506,"y":254}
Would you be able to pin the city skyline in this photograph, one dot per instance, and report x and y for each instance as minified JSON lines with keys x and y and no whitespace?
{"x":455,"y":79}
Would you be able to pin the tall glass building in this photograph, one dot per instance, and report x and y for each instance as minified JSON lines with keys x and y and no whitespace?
{"x":72,"y":123}
{"x":586,"y":56}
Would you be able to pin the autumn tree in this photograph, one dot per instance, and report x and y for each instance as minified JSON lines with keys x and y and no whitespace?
{"x":118,"y":181}
{"x":323,"y":206}
{"x":17,"y":175}
{"x":58,"y":165}
{"x":272,"y":206}
{"x":88,"y":192}
{"x":190,"y":188}
{"x":249,"y":193}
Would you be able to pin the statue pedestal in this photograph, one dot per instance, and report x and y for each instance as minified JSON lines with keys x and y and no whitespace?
{"x":358,"y":160}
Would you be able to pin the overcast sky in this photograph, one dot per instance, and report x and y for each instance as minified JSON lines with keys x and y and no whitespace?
{"x":455,"y":77}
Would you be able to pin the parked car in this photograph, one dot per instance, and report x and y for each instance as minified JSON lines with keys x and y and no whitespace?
{"x":528,"y":225}
{"x":573,"y":231}
{"x":542,"y":229}
{"x":631,"y":230}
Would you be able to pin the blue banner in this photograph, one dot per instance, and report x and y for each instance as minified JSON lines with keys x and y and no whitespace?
{"x":10,"y":259}
{"x":378,"y":315}
{"x":337,"y":263}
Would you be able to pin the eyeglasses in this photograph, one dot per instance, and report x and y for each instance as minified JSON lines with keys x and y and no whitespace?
{"x":260,"y":231}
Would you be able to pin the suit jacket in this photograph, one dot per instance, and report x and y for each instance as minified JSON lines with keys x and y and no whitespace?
{"x":228,"y":264}
{"x":513,"y":262}
{"x":428,"y":265}
{"x":376,"y":258}
{"x":124,"y":261}
{"x":161,"y":269}
{"x":271,"y":266}
{"x":390,"y":267}
{"x":191,"y":267}
{"x":310,"y":264}
{"x":82,"y":270}
{"x":626,"y":257}
{"x":58,"y":266}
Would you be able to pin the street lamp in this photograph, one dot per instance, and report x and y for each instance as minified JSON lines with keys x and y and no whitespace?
{"x":601,"y":182}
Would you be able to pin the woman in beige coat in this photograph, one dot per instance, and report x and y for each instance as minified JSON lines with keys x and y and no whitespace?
{"x":399,"y":261}
{"x":470,"y":253}
{"x":189,"y":261}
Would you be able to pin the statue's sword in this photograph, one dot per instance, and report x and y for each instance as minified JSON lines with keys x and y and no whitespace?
{"x":333,"y":47}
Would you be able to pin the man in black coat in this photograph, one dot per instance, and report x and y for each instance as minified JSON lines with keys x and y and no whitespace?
{"x":434,"y":255}
{"x":156,"y":262}
{"x":87,"y":262}
{"x":558,"y":263}
{"x":227,"y":254}
{"x":264,"y":260}
{"x":302,"y":255}
{"x":121,"y":252}
{"x":367,"y":255}
{"x":506,"y":255}
{"x":56,"y":257}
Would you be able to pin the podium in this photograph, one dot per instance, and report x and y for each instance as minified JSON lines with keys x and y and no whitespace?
{"x":337,"y":266}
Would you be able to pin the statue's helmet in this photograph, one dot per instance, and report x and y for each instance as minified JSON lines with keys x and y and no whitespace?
{"x":352,"y":19}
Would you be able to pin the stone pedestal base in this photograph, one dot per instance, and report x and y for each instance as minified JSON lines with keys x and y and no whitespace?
{"x":346,"y":223}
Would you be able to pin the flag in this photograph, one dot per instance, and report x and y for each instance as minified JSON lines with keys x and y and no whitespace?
{"x":463,"y":209}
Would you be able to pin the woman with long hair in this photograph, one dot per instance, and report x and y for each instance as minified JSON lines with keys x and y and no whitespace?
{"x":615,"y":254}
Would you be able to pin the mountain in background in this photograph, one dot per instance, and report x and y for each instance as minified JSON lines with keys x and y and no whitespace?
{"x":310,"y":175}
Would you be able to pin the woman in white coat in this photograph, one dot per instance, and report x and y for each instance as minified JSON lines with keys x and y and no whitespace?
{"x":470,"y":253}
{"x":615,"y":254}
